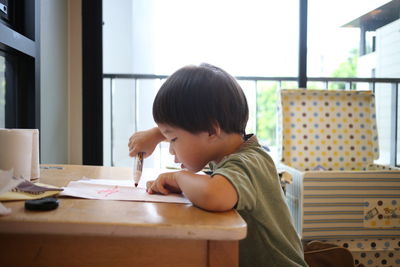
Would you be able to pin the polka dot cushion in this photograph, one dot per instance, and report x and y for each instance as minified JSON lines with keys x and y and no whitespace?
{"x":327,"y":129}
{"x":372,"y":252}
{"x":381,"y":167}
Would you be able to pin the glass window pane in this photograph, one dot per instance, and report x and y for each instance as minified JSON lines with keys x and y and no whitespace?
{"x":384,"y":106}
{"x":122,"y":116}
{"x":249,"y":88}
{"x":360,"y":40}
{"x":107,"y":122}
{"x":252,"y":38}
{"x":267,"y":98}
{"x":398,"y":128}
{"x":244,"y":41}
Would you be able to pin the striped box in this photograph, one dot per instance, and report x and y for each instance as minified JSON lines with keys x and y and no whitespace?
{"x":345,"y":204}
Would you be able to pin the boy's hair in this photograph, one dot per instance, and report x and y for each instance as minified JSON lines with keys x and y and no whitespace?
{"x":195,"y":98}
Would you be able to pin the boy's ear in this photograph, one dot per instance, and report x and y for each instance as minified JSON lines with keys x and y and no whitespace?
{"x":215,"y":130}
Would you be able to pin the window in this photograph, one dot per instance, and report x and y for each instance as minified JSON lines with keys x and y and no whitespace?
{"x":343,"y":36}
{"x":256,"y":41}
{"x":246,"y":38}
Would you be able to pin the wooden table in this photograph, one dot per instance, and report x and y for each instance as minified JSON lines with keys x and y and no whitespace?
{"x":84,"y":232}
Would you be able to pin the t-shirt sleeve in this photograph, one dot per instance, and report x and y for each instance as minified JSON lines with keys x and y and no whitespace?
{"x":235,"y":173}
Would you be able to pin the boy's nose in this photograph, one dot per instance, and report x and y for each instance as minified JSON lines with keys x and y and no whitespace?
{"x":171,"y":150}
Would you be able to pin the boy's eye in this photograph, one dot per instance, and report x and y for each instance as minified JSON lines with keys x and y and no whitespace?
{"x":174,"y":139}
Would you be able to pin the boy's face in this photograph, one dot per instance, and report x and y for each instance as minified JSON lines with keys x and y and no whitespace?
{"x":194,"y":151}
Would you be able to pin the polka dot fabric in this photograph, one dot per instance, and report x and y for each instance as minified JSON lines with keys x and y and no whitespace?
{"x":372,"y":252}
{"x":335,"y":130}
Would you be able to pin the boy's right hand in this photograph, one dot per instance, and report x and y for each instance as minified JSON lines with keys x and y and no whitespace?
{"x":164,"y":184}
{"x":145,"y":141}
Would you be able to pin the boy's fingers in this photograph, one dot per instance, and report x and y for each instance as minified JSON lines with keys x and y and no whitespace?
{"x":163,"y":190}
{"x":158,"y":187}
{"x":152,"y":187}
{"x":130,"y":141}
{"x":149,"y":184}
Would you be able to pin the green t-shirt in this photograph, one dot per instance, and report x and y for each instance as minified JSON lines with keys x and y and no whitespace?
{"x":271,"y":238}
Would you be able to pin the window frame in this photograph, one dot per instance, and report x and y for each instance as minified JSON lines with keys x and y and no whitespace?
{"x":22,"y":56}
{"x":92,"y":87}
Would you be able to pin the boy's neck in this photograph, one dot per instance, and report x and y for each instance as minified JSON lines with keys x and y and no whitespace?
{"x":228,"y":144}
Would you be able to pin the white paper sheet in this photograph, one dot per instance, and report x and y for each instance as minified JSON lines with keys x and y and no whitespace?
{"x":116,"y":190}
{"x":8,"y":182}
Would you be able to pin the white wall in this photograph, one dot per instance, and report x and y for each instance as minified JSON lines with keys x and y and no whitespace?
{"x":388,"y":50}
{"x":365,"y":65}
{"x":74,"y":82}
{"x":53,"y":76}
{"x":387,"y":66}
{"x":386,"y":62}
{"x":384,"y":105}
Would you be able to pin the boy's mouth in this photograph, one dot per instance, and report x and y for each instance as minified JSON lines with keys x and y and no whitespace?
{"x":177,"y":161}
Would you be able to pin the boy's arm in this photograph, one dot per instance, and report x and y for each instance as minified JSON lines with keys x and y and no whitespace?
{"x":145,"y":141}
{"x":210,"y":193}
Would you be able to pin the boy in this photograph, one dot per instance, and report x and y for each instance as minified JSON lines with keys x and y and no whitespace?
{"x":202,"y":111}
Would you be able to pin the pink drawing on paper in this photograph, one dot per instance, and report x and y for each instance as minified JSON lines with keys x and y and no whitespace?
{"x":107,"y":192}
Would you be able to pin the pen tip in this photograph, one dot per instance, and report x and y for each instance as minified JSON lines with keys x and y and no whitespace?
{"x":136,"y":184}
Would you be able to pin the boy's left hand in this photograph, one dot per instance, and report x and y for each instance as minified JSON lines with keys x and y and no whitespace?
{"x":164,"y":184}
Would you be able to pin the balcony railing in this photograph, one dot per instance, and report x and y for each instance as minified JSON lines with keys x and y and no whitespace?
{"x":139,"y":90}
{"x":325,"y":80}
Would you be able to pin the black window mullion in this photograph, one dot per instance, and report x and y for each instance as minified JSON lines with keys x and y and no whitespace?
{"x":92,"y":89}
{"x":302,"y":78}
